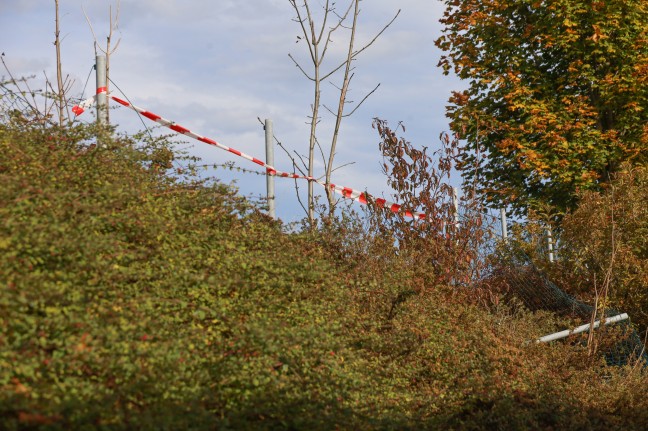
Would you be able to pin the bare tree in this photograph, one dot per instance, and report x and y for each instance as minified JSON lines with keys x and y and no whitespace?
{"x":26,"y":105}
{"x":59,"y":72}
{"x":318,"y":37}
{"x":109,"y":50}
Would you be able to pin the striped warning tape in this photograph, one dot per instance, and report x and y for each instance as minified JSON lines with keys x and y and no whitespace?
{"x":346,"y":192}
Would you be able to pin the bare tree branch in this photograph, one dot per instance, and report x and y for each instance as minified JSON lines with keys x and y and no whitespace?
{"x":323,"y":27}
{"x":318,"y":43}
{"x":280,"y":145}
{"x":362,"y":101}
{"x":340,"y":112}
{"x":355,"y":54}
{"x":333,"y":29}
{"x":300,"y":68}
{"x":343,"y":166}
{"x":301,"y":159}
{"x":303,"y":27}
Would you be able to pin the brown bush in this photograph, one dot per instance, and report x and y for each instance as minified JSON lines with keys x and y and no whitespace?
{"x":604,"y":246}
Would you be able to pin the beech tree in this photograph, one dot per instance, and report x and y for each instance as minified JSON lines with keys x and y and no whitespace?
{"x":557,"y":94}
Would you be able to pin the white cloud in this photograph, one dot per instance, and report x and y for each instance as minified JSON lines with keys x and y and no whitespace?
{"x":214,"y":66}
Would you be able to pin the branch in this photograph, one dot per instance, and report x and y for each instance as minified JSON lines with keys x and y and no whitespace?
{"x":343,"y":93}
{"x":94,"y":36}
{"x":304,"y":31}
{"x":341,"y":19}
{"x":46,"y":110}
{"x":301,"y":159}
{"x":329,"y":109}
{"x":300,"y":68}
{"x":362,"y":101}
{"x":301,"y":204}
{"x":378,"y":35}
{"x":280,"y":145}
{"x":113,"y":26}
{"x":355,"y":54}
{"x":321,"y":150}
{"x":326,"y":13}
{"x":342,"y":166}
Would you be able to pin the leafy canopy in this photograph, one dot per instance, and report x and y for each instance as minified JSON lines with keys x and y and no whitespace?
{"x":557,"y":93}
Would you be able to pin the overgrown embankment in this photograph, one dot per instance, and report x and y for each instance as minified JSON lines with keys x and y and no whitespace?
{"x":133,"y":299}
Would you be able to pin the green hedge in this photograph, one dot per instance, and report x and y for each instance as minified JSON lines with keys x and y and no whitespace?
{"x":131,"y":298}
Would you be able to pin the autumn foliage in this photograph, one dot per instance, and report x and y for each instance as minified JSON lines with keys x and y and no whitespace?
{"x":135,"y":294}
{"x":556,"y":97}
{"x":132,"y":297}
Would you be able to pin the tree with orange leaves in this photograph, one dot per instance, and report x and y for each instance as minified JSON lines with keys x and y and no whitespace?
{"x":557,"y":94}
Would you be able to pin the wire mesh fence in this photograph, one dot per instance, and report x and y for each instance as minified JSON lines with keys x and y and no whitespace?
{"x":518,"y":276}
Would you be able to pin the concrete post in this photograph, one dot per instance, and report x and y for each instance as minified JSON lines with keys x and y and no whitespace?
{"x":550,"y":244}
{"x":102,"y":96}
{"x":503,"y":221}
{"x":270,"y":179}
{"x":455,"y":204}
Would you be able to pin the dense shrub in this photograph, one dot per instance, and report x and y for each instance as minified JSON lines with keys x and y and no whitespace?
{"x":131,"y":298}
{"x":604,"y":245}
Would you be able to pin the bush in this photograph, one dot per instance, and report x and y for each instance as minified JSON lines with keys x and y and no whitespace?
{"x":604,"y":245}
{"x":133,"y":298}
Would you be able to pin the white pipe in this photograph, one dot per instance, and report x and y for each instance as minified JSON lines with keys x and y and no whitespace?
{"x":582,"y":328}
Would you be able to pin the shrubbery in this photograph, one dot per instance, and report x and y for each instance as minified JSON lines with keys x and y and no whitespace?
{"x":604,"y":244}
{"x":131,"y":298}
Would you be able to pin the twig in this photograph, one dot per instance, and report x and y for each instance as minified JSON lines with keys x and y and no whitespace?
{"x":362,"y":101}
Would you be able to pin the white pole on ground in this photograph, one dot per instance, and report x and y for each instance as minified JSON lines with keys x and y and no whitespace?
{"x":270,"y":179}
{"x":582,"y":328}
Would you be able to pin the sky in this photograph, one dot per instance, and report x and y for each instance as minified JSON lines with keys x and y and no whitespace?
{"x":216,"y":66}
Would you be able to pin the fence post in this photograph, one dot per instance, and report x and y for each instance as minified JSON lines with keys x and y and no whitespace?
{"x":270,"y":179}
{"x":503,"y":221}
{"x":550,"y":244}
{"x":455,"y":204}
{"x":102,"y":96}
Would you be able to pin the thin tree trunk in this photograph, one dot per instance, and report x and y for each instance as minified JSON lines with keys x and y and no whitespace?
{"x":340,"y":113}
{"x":59,"y":73}
{"x":311,"y":149}
{"x":313,"y":136}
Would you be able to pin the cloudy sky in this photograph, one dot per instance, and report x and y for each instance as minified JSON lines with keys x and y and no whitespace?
{"x":215,"y":66}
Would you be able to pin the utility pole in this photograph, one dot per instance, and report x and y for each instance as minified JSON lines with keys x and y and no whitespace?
{"x":503,"y":221}
{"x":270,"y":179}
{"x":102,"y":92}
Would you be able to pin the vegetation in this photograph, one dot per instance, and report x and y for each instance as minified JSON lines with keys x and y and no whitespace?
{"x":133,"y":296}
{"x":557,"y":95}
{"x":318,"y":26}
{"x":604,"y":245}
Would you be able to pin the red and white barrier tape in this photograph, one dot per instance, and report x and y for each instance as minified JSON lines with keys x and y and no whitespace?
{"x":346,"y":192}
